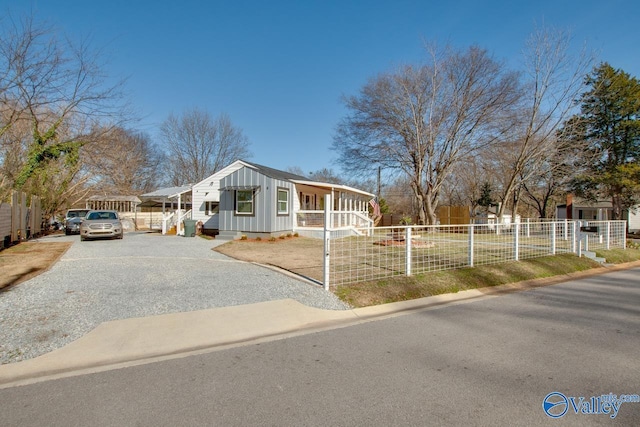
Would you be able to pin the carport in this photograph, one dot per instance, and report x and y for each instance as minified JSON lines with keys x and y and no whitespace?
{"x":175,"y":203}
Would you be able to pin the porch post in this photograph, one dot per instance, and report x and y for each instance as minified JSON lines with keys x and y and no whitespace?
{"x":164,"y":223}
{"x":340,"y":196}
{"x":178,"y":217}
{"x":327,"y":240}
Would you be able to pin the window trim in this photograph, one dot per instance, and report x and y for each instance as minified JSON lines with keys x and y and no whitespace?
{"x":208,"y":211}
{"x":252,"y":201}
{"x":287,"y":201}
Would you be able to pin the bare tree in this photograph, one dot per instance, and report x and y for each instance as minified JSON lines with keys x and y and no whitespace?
{"x":59,"y":89}
{"x":198,"y":145}
{"x":464,"y":186}
{"x":424,"y":119}
{"x":125,"y":162}
{"x":553,"y":81}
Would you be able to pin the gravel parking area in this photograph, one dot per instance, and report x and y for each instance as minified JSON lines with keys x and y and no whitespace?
{"x":144,"y":274}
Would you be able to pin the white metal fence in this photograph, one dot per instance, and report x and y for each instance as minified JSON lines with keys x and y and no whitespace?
{"x":391,"y":251}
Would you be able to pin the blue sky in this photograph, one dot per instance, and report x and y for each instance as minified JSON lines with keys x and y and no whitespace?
{"x":279,"y":68}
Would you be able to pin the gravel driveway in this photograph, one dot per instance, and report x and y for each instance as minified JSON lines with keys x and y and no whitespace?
{"x":142,"y":275}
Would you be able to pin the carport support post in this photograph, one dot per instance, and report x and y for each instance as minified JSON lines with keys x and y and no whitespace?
{"x":327,"y":237}
{"x":178,"y":228}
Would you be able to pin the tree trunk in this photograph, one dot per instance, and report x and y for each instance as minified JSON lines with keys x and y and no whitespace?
{"x":420,"y":199}
{"x":616,"y":203}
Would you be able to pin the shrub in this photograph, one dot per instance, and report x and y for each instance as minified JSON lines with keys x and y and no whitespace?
{"x":258,"y":239}
{"x":272,"y":239}
{"x":243,"y":237}
{"x":405,"y":220}
{"x":282,"y":236}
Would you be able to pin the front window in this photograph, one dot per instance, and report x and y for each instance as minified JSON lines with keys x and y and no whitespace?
{"x":283,"y":201}
{"x":244,"y":202}
{"x":212,"y":208}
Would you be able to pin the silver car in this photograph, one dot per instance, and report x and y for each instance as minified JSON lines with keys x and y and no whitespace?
{"x":72,"y":220}
{"x":99,"y":224}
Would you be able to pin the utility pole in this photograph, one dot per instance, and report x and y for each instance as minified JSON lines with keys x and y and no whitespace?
{"x":379,"y":183}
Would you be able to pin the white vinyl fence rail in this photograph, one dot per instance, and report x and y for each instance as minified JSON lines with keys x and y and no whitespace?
{"x":408,"y":250}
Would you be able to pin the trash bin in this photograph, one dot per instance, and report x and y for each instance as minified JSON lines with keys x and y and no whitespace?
{"x":189,"y":227}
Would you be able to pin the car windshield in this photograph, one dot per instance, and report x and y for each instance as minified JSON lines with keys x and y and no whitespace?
{"x":76,"y":214}
{"x":102,"y":215}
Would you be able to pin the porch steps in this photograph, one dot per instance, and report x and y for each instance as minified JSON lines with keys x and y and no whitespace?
{"x":592,"y":255}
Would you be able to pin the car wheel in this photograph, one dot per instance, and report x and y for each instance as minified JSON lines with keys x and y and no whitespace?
{"x":82,"y":238}
{"x":66,"y":232}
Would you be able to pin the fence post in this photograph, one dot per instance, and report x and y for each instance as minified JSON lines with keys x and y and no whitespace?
{"x":528,"y":231}
{"x":579,"y":241}
{"x":327,"y":237}
{"x":586,"y":239}
{"x":566,"y":229}
{"x":471,"y":231}
{"x":608,"y":234}
{"x":553,"y":238}
{"x":407,"y":245}
{"x":516,"y":241}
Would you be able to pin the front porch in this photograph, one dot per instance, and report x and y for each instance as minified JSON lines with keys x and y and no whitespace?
{"x":349,"y":210}
{"x":310,"y":223}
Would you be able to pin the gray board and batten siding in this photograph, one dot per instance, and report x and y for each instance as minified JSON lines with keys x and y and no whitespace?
{"x":265,"y":183}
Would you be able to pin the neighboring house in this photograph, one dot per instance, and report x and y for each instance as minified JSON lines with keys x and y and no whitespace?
{"x":489,"y":216}
{"x":121,"y":204}
{"x":579,"y":209}
{"x":256,"y":200}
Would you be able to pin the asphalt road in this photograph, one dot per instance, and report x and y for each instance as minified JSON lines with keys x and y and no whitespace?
{"x":488,"y":362}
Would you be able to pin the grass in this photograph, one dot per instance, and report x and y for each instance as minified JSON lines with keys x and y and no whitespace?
{"x":618,"y":256}
{"x":28,"y":259}
{"x":401,"y":288}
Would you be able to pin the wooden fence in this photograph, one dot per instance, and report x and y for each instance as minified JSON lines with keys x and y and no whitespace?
{"x":19,"y":222}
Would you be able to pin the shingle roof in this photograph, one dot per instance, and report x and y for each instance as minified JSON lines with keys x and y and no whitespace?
{"x":275,"y":173}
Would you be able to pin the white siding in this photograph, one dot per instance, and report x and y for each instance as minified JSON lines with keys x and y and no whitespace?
{"x":209,"y":188}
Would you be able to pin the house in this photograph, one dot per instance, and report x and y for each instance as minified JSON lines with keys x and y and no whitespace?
{"x":256,"y":200}
{"x":121,"y":204}
{"x":601,"y":210}
{"x":489,"y":217}
{"x":249,"y":199}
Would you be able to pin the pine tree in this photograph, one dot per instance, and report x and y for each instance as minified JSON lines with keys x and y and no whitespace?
{"x":609,"y":125}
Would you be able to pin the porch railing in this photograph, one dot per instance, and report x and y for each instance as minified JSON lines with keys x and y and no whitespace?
{"x":174,"y":219}
{"x":340,"y":219}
